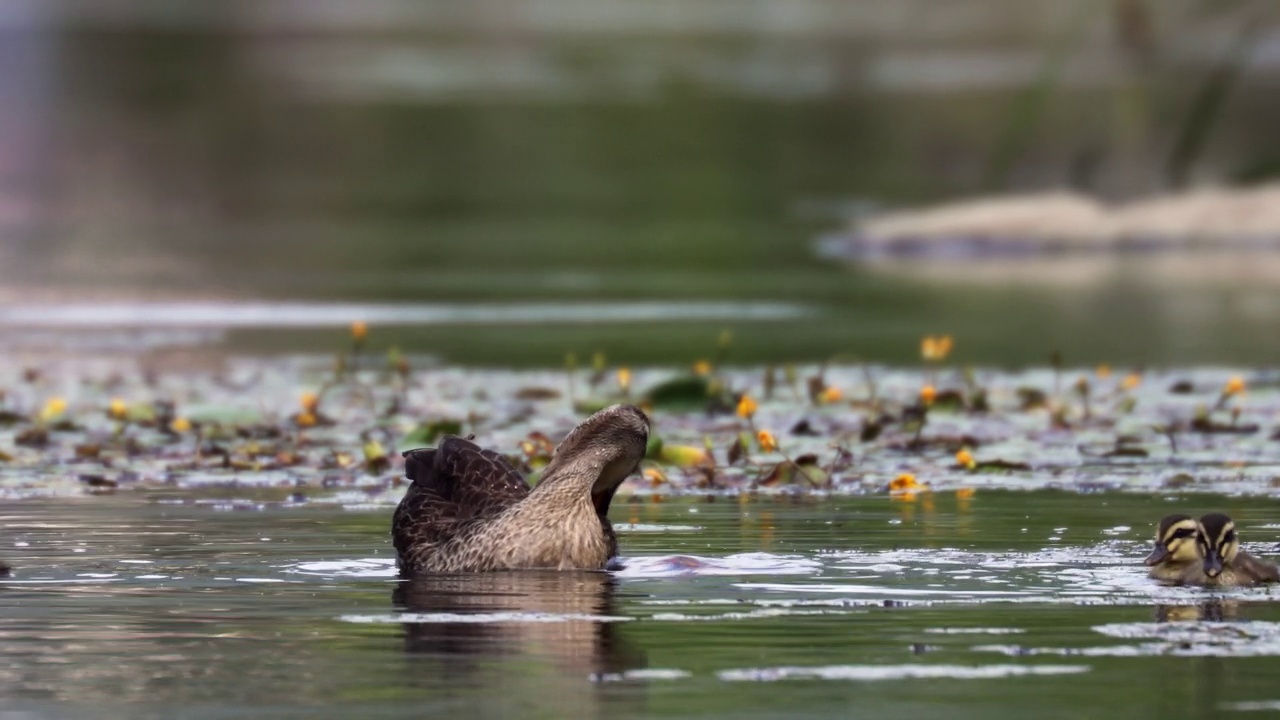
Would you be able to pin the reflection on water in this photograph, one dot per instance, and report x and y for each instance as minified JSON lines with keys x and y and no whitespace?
{"x":532,"y":634}
{"x":566,"y":618}
{"x":1208,"y":611}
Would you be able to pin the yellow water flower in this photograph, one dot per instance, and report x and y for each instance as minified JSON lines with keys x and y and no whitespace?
{"x":118,"y":409}
{"x":1131,"y":381}
{"x":1103,"y":371}
{"x":373,"y":450}
{"x":928,"y":394}
{"x":929,"y":347}
{"x":309,"y":401}
{"x":624,"y":379}
{"x":655,"y":476}
{"x":935,"y":348}
{"x":1234,"y":386}
{"x":306,"y":418}
{"x":830,"y":394}
{"x":53,"y":409}
{"x":702,"y":368}
{"x":747,"y":407}
{"x":685,"y":456}
{"x":904,"y":483}
{"x":768,"y":442}
{"x":965,"y":459}
{"x":180,"y":425}
{"x":359,"y":329}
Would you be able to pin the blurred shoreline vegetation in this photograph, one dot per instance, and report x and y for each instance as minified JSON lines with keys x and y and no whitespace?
{"x":494,"y":152}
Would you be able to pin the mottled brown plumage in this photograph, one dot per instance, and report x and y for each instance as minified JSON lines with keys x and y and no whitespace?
{"x":1178,"y":557}
{"x":1225,"y":563}
{"x":468,"y":510}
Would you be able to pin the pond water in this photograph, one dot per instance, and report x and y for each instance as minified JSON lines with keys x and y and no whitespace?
{"x":1002,"y":604}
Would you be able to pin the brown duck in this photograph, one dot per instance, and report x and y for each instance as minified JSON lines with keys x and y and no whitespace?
{"x":1225,"y":563}
{"x":468,"y":510}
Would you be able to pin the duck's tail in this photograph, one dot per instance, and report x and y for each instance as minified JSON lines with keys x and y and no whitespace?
{"x":418,"y":465}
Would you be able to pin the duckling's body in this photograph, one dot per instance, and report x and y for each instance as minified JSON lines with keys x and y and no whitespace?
{"x":468,"y":510}
{"x":1226,"y":565}
{"x":1178,"y":558}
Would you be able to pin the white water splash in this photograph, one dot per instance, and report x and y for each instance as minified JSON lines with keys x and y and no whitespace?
{"x":361,"y":567}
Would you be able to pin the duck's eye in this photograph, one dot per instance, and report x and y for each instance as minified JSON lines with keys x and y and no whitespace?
{"x":1229,"y":537}
{"x":1182,"y":534}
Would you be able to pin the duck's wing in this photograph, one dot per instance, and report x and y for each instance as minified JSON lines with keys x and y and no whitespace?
{"x":1257,"y":569}
{"x":452,"y":484}
{"x":478,"y":481}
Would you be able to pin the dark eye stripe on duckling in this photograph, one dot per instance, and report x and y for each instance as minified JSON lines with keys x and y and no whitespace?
{"x":1179,"y":531}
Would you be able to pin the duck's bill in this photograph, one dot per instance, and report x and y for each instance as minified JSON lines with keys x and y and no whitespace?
{"x":1157,"y":556}
{"x":1213,"y":564}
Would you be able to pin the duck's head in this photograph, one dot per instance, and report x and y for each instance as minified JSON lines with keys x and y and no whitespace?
{"x":599,"y":454}
{"x":1178,"y":540}
{"x":1221,"y":542}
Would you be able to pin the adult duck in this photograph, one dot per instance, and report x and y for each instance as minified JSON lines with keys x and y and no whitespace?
{"x":469,"y":510}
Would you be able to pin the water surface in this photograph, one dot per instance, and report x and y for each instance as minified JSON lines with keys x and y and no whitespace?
{"x":1000,"y":605}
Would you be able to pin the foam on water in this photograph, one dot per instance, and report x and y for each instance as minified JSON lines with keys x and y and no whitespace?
{"x":1252,"y":706}
{"x":1181,"y":639}
{"x":896,"y":672}
{"x":694,"y":565}
{"x":642,"y":674}
{"x":856,"y":589}
{"x":361,"y":567}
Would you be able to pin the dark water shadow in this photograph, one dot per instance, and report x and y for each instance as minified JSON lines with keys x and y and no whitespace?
{"x":565,"y":618}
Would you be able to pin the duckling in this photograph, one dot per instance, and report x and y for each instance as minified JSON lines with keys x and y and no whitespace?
{"x":468,"y":510}
{"x":1178,"y":558}
{"x":1225,"y":564}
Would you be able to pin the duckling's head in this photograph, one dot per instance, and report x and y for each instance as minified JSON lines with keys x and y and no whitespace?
{"x":600,"y":453}
{"x":1178,"y":540}
{"x":1222,"y":542}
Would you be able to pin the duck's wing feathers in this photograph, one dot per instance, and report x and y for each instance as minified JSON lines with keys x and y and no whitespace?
{"x":454,"y":483}
{"x":1257,"y":569}
{"x":478,"y":481}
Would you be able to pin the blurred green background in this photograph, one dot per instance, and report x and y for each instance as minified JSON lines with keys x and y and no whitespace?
{"x":624,"y":151}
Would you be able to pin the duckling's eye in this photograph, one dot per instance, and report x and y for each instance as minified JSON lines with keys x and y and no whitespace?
{"x":1229,"y":537}
{"x":1182,"y":534}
